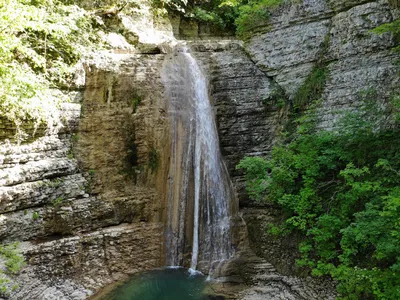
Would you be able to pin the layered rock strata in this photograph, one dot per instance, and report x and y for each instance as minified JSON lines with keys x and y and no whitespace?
{"x":300,"y":36}
{"x":84,"y":202}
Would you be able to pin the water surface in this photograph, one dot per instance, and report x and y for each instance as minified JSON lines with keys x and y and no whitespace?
{"x":161,"y":284}
{"x":201,"y":199}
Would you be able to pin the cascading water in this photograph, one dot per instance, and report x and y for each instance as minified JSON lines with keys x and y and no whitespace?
{"x":200,"y":199}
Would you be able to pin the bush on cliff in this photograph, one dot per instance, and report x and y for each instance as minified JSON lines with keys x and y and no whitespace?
{"x":14,"y":261}
{"x":341,"y":190}
{"x":240,"y":16}
{"x":253,"y":14}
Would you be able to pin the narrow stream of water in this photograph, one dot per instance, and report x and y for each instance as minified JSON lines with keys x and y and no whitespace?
{"x":200,"y":191}
{"x":200,"y":194}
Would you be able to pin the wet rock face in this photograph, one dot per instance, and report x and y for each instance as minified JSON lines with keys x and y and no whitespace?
{"x":245,"y":100}
{"x":333,"y":34}
{"x":87,"y":213}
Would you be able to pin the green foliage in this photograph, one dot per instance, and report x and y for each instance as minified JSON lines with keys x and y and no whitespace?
{"x":154,"y":160}
{"x":74,"y":138}
{"x":136,"y":100}
{"x":40,"y":41}
{"x":208,"y":17}
{"x":341,"y":190}
{"x":55,"y":183}
{"x":221,"y":14}
{"x":240,"y":16}
{"x":35,"y":216}
{"x":58,"y":201}
{"x":393,"y":27}
{"x":14,"y":261}
{"x":312,"y":88}
{"x":256,"y":183}
{"x":277,"y":98}
{"x":277,"y":230}
{"x":254,"y":14}
{"x":70,"y":154}
{"x":396,"y":106}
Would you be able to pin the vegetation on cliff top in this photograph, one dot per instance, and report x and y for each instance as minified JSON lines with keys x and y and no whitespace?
{"x":42,"y":39}
{"x":244,"y":17}
{"x":240,"y":16}
{"x":39,"y":42}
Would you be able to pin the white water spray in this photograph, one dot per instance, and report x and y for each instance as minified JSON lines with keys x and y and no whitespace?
{"x":200,"y":191}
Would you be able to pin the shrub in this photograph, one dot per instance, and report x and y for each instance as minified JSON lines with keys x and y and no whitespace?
{"x":340,"y":190}
{"x":154,"y":160}
{"x":135,"y":101}
{"x":392,"y":27}
{"x":240,"y":16}
{"x":13,"y":257}
{"x":58,"y":201}
{"x":35,"y":215}
{"x":254,"y":14}
{"x":221,"y":14}
{"x":312,"y":88}
{"x":14,"y":262}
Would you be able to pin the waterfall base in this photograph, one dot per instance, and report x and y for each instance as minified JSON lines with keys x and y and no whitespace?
{"x":172,"y":283}
{"x":201,"y":201}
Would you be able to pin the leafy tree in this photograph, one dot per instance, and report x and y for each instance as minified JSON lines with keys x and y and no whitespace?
{"x":39,"y":42}
{"x":240,"y":16}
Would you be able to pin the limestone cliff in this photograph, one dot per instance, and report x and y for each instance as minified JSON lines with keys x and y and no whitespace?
{"x":336,"y":36}
{"x":86,"y":202}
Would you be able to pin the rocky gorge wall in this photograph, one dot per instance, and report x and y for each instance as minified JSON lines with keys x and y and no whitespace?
{"x":84,"y":203}
{"x":88,"y":203}
{"x":253,"y":105}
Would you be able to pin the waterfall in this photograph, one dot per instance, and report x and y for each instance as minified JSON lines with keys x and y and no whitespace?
{"x":200,"y":194}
